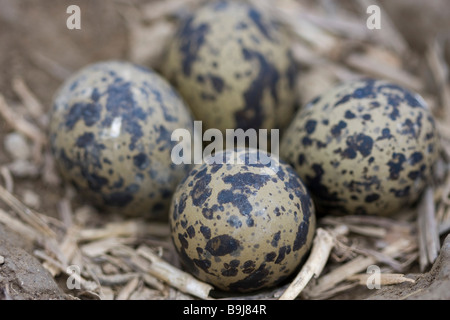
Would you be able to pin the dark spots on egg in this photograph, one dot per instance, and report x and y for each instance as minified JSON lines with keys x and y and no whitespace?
{"x":118,"y":184}
{"x":95,"y":181}
{"x":88,"y":112}
{"x":396,"y":165}
{"x":400,"y":193}
{"x":371,"y":197}
{"x":416,"y":157}
{"x":343,"y":100}
{"x":252,"y":114}
{"x":385,"y":134}
{"x":275,"y":239}
{"x":356,"y":143}
{"x":184,"y":223}
{"x":277,"y":211}
{"x":244,"y":181}
{"x":200,"y":79}
{"x":206,"y":232}
{"x":430,"y":148}
{"x":367,"y":91}
{"x":234,"y":221}
{"x":222,"y":245}
{"x":315,"y":100}
{"x":183,"y":241}
{"x":241,"y":26}
{"x":282,"y":252}
{"x":141,"y":161}
{"x":230,"y":269}
{"x":182,"y":203}
{"x":307,"y":141}
{"x":270,"y":256}
{"x":349,"y":115}
{"x":208,"y":213}
{"x":248,"y":266}
{"x":403,"y":94}
{"x":411,"y":128}
{"x":191,"y":232}
{"x":118,"y":199}
{"x":207,"y":97}
{"x":254,"y":280}
{"x":120,"y":98}
{"x":301,"y":235}
{"x":256,"y":17}
{"x":158,"y":208}
{"x":374,"y":104}
{"x":168,"y":115}
{"x":429,"y":136}
{"x":317,"y":187}
{"x":238,"y":200}
{"x":203,"y":264}
{"x":201,"y":192}
{"x":164,"y":137}
{"x":415,"y":174}
{"x":336,"y":129}
{"x":217,"y":83}
{"x":301,"y":159}
{"x":85,"y":140}
{"x":194,"y":38}
{"x":310,"y":126}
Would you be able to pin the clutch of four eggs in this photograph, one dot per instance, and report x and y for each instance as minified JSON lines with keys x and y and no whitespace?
{"x":111,"y":133}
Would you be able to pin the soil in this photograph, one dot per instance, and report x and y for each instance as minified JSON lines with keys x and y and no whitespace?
{"x":433,"y":285}
{"x":22,"y":276}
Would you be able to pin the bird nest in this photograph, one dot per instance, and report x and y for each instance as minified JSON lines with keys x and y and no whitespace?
{"x":97,"y":255}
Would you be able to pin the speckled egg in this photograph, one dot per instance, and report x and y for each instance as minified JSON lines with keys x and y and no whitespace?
{"x":242,"y":227}
{"x":110,"y":133}
{"x":233,"y":66}
{"x":364,"y":147}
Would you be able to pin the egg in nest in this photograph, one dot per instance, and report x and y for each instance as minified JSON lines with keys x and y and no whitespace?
{"x":110,"y":134}
{"x":363,"y":147}
{"x":233,"y":66}
{"x":242,"y":227}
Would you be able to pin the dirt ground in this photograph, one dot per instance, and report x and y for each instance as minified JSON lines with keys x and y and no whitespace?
{"x":39,"y":51}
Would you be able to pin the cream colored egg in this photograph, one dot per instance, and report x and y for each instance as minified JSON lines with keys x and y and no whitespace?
{"x":242,"y":227}
{"x":110,"y":134}
{"x":233,"y":66}
{"x":364,"y":147}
